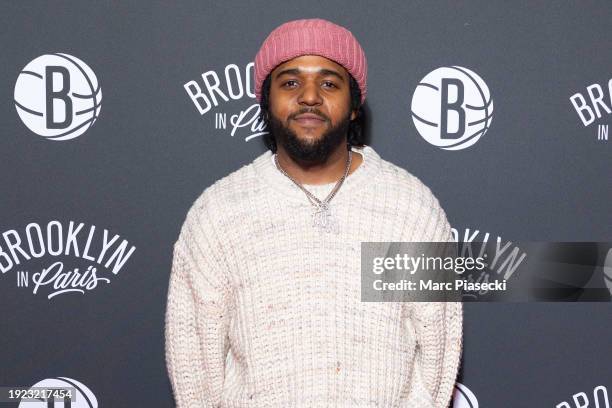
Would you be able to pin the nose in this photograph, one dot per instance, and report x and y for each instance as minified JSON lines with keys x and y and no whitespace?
{"x":310,"y":95}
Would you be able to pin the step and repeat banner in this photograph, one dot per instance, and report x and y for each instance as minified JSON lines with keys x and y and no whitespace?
{"x":117,"y":115}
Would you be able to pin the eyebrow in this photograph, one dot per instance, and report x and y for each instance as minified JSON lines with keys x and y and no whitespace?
{"x":322,"y":71}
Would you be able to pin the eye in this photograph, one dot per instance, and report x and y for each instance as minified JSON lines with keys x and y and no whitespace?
{"x":290,"y":83}
{"x":329,"y":84}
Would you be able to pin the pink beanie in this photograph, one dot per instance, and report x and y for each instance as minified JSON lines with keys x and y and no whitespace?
{"x":311,"y":37}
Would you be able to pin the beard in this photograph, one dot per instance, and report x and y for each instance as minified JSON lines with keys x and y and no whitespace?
{"x":316,"y":151}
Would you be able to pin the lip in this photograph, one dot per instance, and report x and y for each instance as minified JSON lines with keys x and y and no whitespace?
{"x":309,"y":116}
{"x":309,"y":120}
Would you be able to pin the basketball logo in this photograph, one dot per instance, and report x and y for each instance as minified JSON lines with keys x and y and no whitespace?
{"x":452,"y":108}
{"x":81,"y":396}
{"x":57,"y":96}
{"x":463,"y":397}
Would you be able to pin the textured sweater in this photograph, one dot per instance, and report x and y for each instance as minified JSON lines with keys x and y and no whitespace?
{"x":264,"y":309}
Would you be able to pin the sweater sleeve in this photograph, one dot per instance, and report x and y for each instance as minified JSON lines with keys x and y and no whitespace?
{"x":438,"y":328}
{"x":197,"y":316}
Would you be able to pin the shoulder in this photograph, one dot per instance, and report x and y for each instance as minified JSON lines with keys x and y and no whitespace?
{"x":220,"y":200}
{"x":406,"y":185}
{"x":220,"y":197}
{"x":411,"y":201}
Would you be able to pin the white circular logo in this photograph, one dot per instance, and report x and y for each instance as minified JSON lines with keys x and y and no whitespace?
{"x":452,"y":108}
{"x":57,"y":96}
{"x":463,"y":397}
{"x":82,"y":396}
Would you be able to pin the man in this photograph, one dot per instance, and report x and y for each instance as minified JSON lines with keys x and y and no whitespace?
{"x":264,"y":301}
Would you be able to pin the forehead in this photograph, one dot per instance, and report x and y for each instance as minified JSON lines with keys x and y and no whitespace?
{"x":311,"y":64}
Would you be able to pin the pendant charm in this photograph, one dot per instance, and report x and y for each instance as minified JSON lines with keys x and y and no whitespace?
{"x":322,"y":218}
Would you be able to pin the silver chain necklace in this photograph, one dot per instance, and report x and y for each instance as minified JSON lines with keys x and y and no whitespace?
{"x":321,"y":216}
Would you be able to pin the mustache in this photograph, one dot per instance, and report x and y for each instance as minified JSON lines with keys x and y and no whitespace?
{"x":313,"y":111}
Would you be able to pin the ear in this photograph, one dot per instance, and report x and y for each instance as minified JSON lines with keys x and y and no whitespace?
{"x":353,"y":114}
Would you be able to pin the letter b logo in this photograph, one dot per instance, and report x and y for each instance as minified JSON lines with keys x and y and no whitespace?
{"x":447,"y":107}
{"x":61,"y":94}
{"x":452,"y":108}
{"x":57,"y":96}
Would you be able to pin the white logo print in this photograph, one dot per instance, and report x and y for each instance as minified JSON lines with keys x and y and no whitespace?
{"x":452,"y":108}
{"x":593,"y":105}
{"x":41,"y":257}
{"x":463,"y":397}
{"x":597,"y":398}
{"x":60,"y":392}
{"x":217,"y":89}
{"x":57,"y":96}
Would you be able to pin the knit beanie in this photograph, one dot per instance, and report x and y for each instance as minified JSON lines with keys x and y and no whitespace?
{"x":311,"y":37}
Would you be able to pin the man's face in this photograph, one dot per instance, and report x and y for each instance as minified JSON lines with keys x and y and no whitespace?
{"x":310,"y":107}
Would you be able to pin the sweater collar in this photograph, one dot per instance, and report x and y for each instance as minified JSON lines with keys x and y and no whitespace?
{"x":266,"y":171}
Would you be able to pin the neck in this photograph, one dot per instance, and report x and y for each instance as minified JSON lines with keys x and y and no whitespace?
{"x":326,"y":172}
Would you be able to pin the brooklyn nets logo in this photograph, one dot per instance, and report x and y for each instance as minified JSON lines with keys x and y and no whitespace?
{"x":463,"y":397}
{"x":452,"y":108}
{"x":57,"y":96}
{"x":60,"y":392}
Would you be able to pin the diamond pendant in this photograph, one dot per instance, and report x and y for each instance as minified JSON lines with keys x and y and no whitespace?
{"x":322,"y":218}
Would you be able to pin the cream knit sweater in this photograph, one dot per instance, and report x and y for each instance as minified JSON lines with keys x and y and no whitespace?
{"x":264,"y":309}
